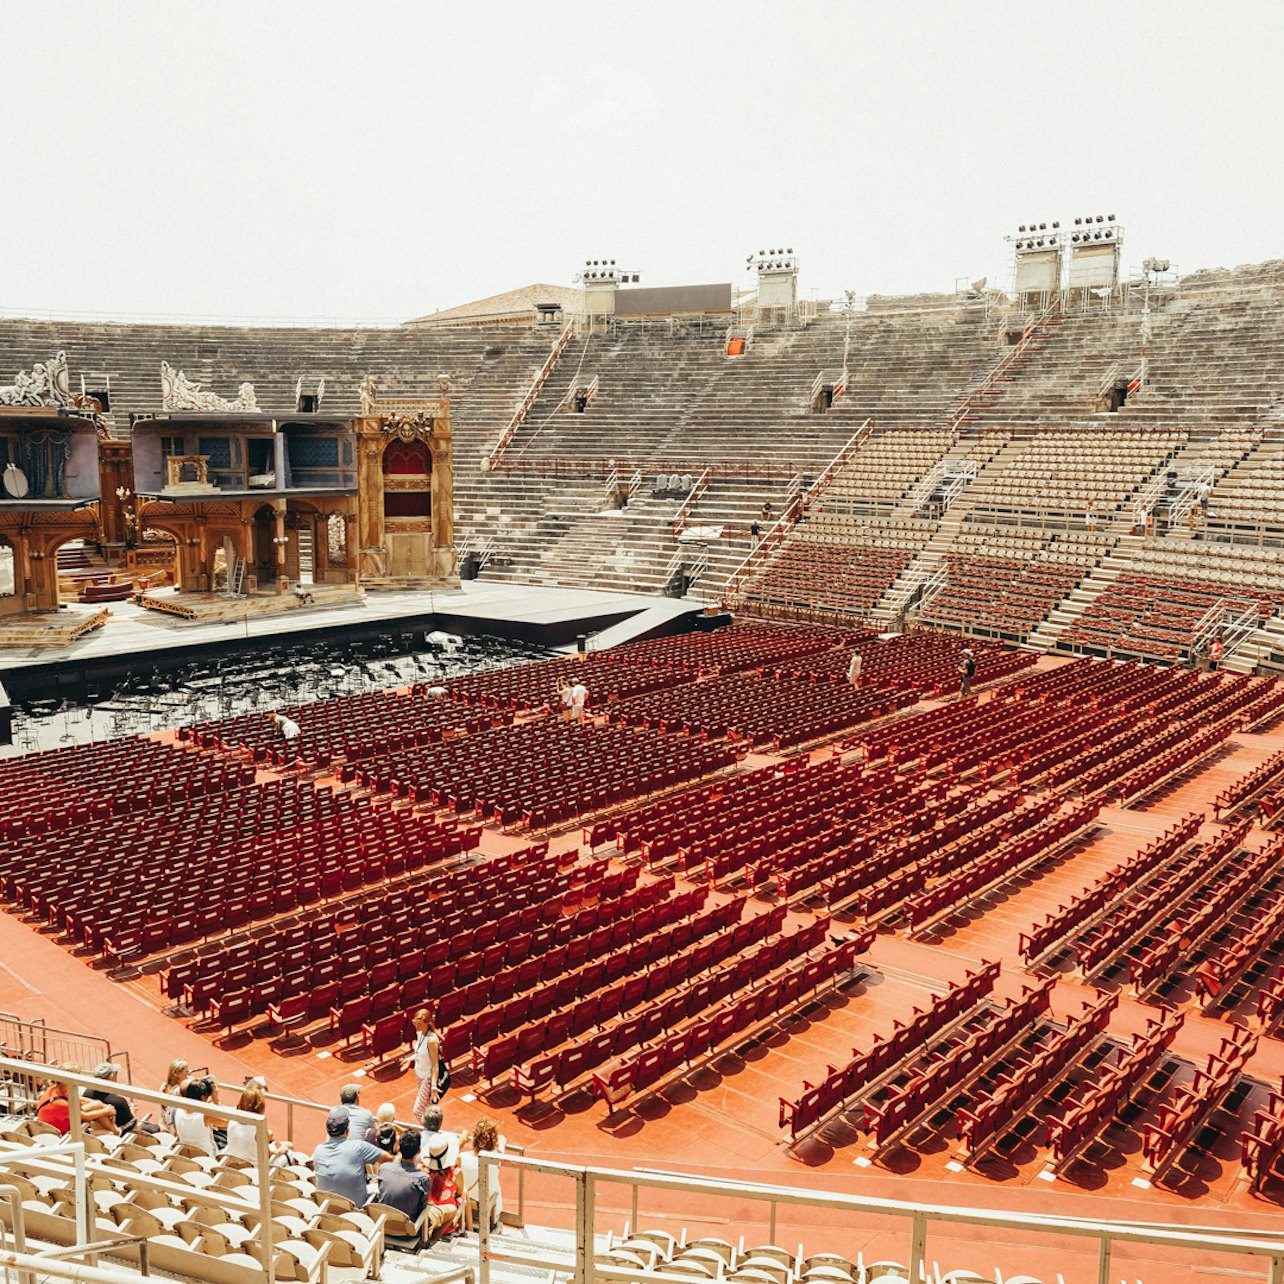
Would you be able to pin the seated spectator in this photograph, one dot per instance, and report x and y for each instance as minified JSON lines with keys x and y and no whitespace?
{"x":194,"y":1127}
{"x":432,"y":1121}
{"x":404,"y":1185}
{"x":485,"y":1136}
{"x":53,"y":1107}
{"x":447,"y":1193}
{"x":383,"y":1132}
{"x":339,"y":1163}
{"x":125,"y":1120}
{"x":173,"y":1085}
{"x":360,"y":1119}
{"x":241,"y":1139}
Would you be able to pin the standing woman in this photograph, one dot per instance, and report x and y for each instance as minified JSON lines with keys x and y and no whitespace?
{"x":427,"y":1061}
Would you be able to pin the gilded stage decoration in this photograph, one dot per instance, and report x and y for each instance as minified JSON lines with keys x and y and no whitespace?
{"x":45,"y":384}
{"x":178,"y":392}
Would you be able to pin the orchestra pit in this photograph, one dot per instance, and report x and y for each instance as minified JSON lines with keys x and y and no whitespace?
{"x":965,"y":966}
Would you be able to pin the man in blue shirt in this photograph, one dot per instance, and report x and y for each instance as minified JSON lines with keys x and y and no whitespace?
{"x":340,"y":1162}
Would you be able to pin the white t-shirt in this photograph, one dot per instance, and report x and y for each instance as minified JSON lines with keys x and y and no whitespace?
{"x":191,"y":1129}
{"x":468,"y":1171}
{"x":425,"y":1044}
{"x":289,"y":730}
{"x":241,"y":1142}
{"x":579,"y":694}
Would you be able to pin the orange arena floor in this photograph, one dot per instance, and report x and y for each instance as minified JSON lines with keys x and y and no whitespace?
{"x":721,"y":1119}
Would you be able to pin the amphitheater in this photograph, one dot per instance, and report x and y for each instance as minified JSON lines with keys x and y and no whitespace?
{"x":766,"y":977}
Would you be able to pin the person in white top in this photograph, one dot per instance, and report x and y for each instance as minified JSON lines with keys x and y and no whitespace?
{"x":853,"y":669}
{"x":192,"y":1127}
{"x":579,"y":698}
{"x":427,"y":1060}
{"x":241,"y":1137}
{"x":289,"y":728}
{"x":485,"y":1136}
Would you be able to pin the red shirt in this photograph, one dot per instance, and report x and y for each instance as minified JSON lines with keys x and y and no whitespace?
{"x":53,"y":1108}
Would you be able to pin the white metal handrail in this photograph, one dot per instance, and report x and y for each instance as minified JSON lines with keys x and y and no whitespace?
{"x":582,"y":1267}
{"x":75,"y":1080}
{"x":1004,"y":364}
{"x":693,"y":498}
{"x":532,"y":394}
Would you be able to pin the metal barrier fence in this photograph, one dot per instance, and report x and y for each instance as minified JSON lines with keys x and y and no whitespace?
{"x":38,"y":1041}
{"x":697,"y":1199}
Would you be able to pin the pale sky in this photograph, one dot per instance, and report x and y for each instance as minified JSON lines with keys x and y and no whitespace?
{"x":378,"y":159}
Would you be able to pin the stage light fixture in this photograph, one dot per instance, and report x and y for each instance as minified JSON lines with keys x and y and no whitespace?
{"x":1021,"y":228}
{"x":1110,"y":218}
{"x":1055,"y":225}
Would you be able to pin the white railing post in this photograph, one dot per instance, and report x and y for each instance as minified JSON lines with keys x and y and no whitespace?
{"x":918,"y":1248}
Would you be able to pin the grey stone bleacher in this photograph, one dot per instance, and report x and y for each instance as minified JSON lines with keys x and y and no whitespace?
{"x":1060,"y":372}
{"x":400,"y":359}
{"x":678,"y":403}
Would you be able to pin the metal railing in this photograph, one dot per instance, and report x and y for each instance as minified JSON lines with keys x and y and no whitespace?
{"x":835,"y":465}
{"x":971,"y":402}
{"x":1191,"y":487}
{"x":772,"y":538}
{"x":532,"y":394}
{"x":829,"y":378}
{"x":692,"y":499}
{"x":1232,"y":619}
{"x":85,"y":1168}
{"x":38,"y":1041}
{"x":843,"y":1215}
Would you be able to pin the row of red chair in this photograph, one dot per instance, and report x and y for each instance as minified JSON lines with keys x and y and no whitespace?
{"x":1031,"y":846}
{"x":514,"y":773}
{"x":608,"y":676}
{"x":899,"y":816}
{"x":62,"y":788}
{"x":505,"y":1003}
{"x":866,"y":1070}
{"x":341,"y":730}
{"x":1250,"y":786}
{"x":1111,"y":887}
{"x":988,"y":1120}
{"x":521,"y":928}
{"x":1214,"y":912}
{"x":891,"y":809}
{"x":745,"y":645}
{"x":1261,"y":1147}
{"x":920,"y":662}
{"x":759,"y":708}
{"x":945,"y":1076}
{"x":846,"y":577}
{"x":937,"y":861}
{"x":528,"y":919}
{"x":650,"y":971}
{"x":1163,"y":1141}
{"x":1082,"y":1119}
{"x":707,"y":1034}
{"x":1184,"y":881}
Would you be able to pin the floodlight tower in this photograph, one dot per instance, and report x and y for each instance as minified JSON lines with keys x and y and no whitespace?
{"x":777,"y":284}
{"x":1037,"y":274}
{"x":1095,"y":241}
{"x":600,"y":279}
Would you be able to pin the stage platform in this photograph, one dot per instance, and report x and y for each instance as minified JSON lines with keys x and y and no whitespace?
{"x":540,"y":615}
